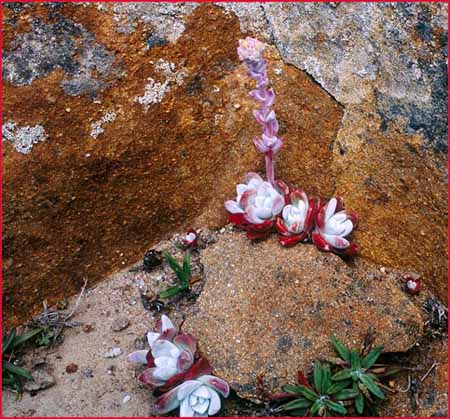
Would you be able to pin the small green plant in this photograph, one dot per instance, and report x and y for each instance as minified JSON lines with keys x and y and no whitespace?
{"x":183,"y":274}
{"x":14,"y":376}
{"x":344,"y":385}
{"x":360,"y":368}
{"x":323,"y":398}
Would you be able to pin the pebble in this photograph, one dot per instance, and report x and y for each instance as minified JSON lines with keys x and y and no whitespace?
{"x":41,"y":380}
{"x":113,"y":353}
{"x":71,"y":368}
{"x":119,"y":324}
{"x":126,"y":399}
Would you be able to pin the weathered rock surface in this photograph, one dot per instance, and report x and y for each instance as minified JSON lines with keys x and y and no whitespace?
{"x":128,"y":125}
{"x":86,"y":394}
{"x":269,"y":310}
{"x":115,"y":174}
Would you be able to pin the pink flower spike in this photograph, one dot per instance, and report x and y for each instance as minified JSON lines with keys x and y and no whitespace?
{"x":250,"y":49}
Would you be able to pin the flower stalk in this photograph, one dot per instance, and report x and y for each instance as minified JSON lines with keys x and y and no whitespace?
{"x":250,"y":51}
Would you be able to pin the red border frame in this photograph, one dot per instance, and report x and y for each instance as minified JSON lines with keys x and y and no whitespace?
{"x":207,"y":1}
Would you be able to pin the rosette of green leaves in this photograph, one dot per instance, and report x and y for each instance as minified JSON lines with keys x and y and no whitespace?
{"x":183,"y":274}
{"x":364,"y":383}
{"x":324,"y":398}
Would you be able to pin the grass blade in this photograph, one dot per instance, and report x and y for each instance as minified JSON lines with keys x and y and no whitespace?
{"x":21,"y":339}
{"x":170,"y":292}
{"x":17,"y":370}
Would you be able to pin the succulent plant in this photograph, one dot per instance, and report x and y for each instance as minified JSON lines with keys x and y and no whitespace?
{"x":413,"y":285}
{"x":323,"y":398}
{"x":171,"y":353}
{"x":197,"y":397}
{"x":250,"y":51}
{"x":332,"y":225}
{"x":183,"y":274}
{"x":256,"y":206}
{"x":178,"y":374}
{"x":297,"y":219}
{"x":190,"y":240}
{"x":358,"y":369}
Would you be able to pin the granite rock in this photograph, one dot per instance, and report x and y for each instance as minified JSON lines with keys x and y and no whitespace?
{"x":270,"y":311}
{"x":106,"y":112}
{"x":118,"y":172}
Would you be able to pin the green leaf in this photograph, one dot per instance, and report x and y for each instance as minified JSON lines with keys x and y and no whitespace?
{"x":308,"y":393}
{"x":170,"y":292}
{"x":315,"y":407}
{"x":21,"y":339}
{"x":372,"y":357}
{"x":186,"y":268}
{"x":288,"y":388}
{"x":297,"y":404}
{"x":372,"y":386}
{"x":17,"y":370}
{"x":340,"y":349}
{"x":326,"y":378}
{"x":318,"y":377}
{"x":336,"y":407}
{"x":8,"y":340}
{"x":174,"y":266}
{"x":342,"y":375}
{"x":338,"y":386}
{"x":346,"y":394}
{"x":359,"y":403}
{"x":355,"y":360}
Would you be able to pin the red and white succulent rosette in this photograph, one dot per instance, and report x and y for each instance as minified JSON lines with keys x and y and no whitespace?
{"x":297,"y":219}
{"x":190,"y":239}
{"x":256,"y":206}
{"x":333,"y":225}
{"x":172,"y":357}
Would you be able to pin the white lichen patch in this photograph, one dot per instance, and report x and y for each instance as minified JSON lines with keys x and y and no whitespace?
{"x":97,"y":127}
{"x":23,"y":138}
{"x":156,"y":90}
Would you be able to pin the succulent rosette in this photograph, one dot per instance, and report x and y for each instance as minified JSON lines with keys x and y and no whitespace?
{"x":196,"y":397}
{"x":333,"y":225}
{"x":171,"y":356}
{"x":256,"y":206}
{"x":413,"y":285}
{"x":296,"y":220}
{"x":190,"y":240}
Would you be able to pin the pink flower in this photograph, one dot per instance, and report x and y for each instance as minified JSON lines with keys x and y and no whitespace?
{"x":256,"y":206}
{"x":250,"y":49}
{"x":333,"y":225}
{"x":297,"y":219}
{"x":190,"y":240}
